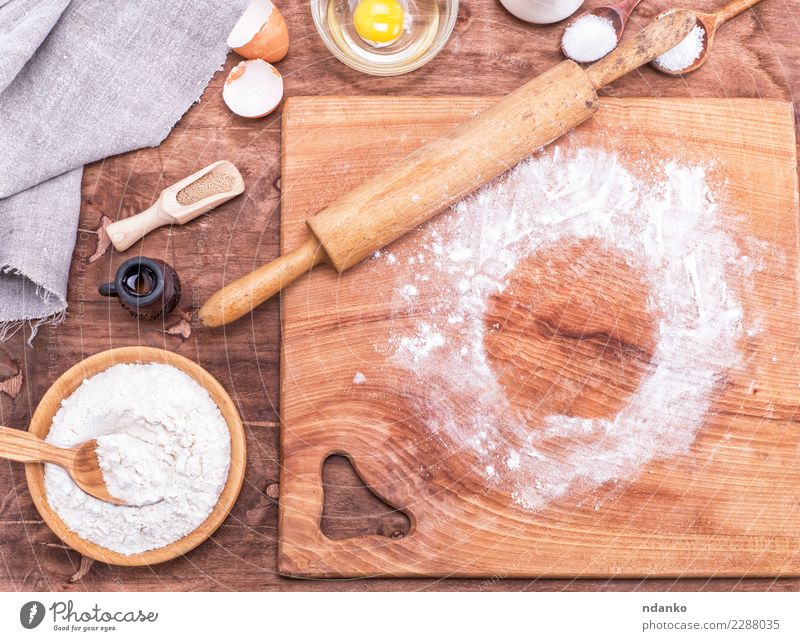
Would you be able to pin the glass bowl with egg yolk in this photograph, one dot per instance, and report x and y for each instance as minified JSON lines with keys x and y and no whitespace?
{"x":384,"y":37}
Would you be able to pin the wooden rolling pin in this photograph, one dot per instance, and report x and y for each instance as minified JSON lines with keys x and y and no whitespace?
{"x":439,"y":174}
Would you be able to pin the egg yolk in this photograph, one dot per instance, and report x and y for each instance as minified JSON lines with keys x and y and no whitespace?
{"x":379,"y":21}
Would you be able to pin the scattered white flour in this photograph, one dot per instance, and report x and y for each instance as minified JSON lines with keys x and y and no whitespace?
{"x":685,"y":52}
{"x":135,"y":471}
{"x":589,"y":38}
{"x":359,"y":379}
{"x":148,"y":418}
{"x":666,"y":228}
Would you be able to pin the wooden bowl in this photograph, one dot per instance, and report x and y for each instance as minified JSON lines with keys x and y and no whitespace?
{"x":68,"y":383}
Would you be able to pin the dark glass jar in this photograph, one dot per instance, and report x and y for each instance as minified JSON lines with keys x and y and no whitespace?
{"x":148,"y":288}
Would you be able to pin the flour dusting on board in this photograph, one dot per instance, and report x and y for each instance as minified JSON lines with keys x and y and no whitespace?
{"x":668,"y":229}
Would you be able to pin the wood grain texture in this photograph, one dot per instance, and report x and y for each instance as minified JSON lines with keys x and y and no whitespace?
{"x":23,"y":447}
{"x":729,"y":507}
{"x":490,"y":53}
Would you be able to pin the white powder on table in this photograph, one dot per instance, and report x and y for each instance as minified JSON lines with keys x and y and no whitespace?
{"x":685,"y":52}
{"x":147,"y":418}
{"x":589,"y":38}
{"x":667,"y":228}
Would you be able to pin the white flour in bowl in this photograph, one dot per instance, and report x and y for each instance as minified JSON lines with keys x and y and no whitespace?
{"x":135,"y":471}
{"x":668,"y":228}
{"x":163,"y":445}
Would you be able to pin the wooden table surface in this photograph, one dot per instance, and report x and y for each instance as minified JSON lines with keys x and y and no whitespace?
{"x":489,"y":53}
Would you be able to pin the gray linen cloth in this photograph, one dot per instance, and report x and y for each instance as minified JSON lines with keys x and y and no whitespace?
{"x":81,"y":80}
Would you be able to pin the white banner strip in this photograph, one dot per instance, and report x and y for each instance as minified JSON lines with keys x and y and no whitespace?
{"x":330,"y":616}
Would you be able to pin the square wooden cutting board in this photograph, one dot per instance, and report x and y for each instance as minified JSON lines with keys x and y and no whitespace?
{"x":729,"y":507}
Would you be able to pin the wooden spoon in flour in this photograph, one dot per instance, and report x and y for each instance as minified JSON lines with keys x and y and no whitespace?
{"x":80,"y":462}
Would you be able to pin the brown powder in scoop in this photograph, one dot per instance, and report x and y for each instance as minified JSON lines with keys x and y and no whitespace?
{"x":212,"y":183}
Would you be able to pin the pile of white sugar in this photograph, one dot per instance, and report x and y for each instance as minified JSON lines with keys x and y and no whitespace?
{"x":163,"y":447}
{"x":589,"y":38}
{"x":685,"y":52}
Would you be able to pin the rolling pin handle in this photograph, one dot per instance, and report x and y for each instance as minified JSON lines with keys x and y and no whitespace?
{"x":242,"y":296}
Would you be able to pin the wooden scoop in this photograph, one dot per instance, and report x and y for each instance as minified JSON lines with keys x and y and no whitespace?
{"x":80,"y":462}
{"x":710,"y":23}
{"x":617,"y":14}
{"x":179,"y":203}
{"x":441,"y":173}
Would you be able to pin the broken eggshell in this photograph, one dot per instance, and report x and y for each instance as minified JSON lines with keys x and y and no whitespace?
{"x":253,"y":89}
{"x":260,"y":33}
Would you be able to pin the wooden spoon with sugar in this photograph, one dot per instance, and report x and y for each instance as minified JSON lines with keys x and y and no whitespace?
{"x":706,"y":29}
